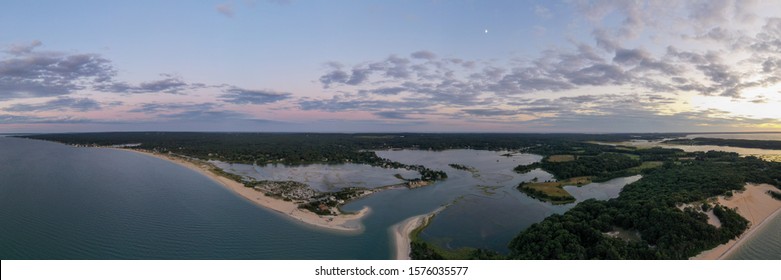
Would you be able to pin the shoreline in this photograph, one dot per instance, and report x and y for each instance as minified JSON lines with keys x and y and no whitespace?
{"x":348,"y":222}
{"x":755,"y":206}
{"x":748,"y":236}
{"x":400,"y":233}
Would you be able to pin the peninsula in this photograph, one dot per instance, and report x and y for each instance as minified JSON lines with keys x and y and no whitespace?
{"x":347,"y":222}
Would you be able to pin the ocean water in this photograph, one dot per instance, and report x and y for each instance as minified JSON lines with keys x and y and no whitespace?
{"x":63,"y":202}
{"x":763,"y":245}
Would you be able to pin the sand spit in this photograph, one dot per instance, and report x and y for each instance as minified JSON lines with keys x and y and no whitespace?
{"x":401,"y":232}
{"x":343,"y":223}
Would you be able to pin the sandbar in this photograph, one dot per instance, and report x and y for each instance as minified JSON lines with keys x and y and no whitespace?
{"x":401,"y":231}
{"x":756,"y":206}
{"x":347,"y":222}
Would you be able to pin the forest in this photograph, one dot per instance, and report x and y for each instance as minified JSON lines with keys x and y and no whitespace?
{"x":601,"y":166}
{"x":302,"y":148}
{"x":648,"y":206}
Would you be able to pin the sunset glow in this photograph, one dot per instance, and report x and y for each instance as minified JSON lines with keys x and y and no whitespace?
{"x":418,"y":66}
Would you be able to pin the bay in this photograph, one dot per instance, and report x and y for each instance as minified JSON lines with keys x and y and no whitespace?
{"x":63,"y":202}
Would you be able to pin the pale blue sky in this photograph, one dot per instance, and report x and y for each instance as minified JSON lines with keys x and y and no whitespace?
{"x":581,"y":66}
{"x":191,"y":38}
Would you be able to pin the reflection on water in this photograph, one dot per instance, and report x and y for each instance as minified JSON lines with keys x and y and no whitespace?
{"x":84,"y":203}
{"x":489,"y":211}
{"x":747,"y":136}
{"x":324,"y":177}
{"x":601,"y":191}
{"x":766,"y":154}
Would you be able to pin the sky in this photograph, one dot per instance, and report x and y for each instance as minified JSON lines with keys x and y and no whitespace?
{"x":390,"y":66}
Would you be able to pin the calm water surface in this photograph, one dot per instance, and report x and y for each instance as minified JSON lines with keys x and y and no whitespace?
{"x":61,"y":202}
{"x":324,"y":177}
{"x":766,"y":154}
{"x":747,"y":136}
{"x":488,"y":211}
{"x":763,"y":245}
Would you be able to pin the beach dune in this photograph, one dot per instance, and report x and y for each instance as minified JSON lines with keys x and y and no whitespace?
{"x":756,"y":206}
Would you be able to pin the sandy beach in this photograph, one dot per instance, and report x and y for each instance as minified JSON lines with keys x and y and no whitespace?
{"x":344,"y":222}
{"x":756,"y":206}
{"x":401,"y":232}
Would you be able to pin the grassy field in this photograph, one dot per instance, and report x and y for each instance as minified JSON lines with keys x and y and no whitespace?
{"x":632,"y":156}
{"x":561,"y":158}
{"x":646,"y":165}
{"x":554,"y":192}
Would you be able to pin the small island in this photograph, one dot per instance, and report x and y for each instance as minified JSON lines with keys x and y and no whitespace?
{"x":553,"y":191}
{"x":462,"y":167}
{"x":470,"y":169}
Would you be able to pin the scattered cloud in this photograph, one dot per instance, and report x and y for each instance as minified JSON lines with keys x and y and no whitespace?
{"x":24,"y":119}
{"x":153,"y":108}
{"x":608,"y":72}
{"x":346,"y":104}
{"x":386,"y":90}
{"x":225,"y":9}
{"x":21,"y":49}
{"x":62,"y":103}
{"x":490,"y":112}
{"x":423,"y":55}
{"x":29,"y":74}
{"x":760,"y":100}
{"x":657,"y":77}
{"x":168,"y":84}
{"x":208,"y":112}
{"x":394,"y":115}
{"x":208,"y":115}
{"x":393,"y":67}
{"x":243,"y":96}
